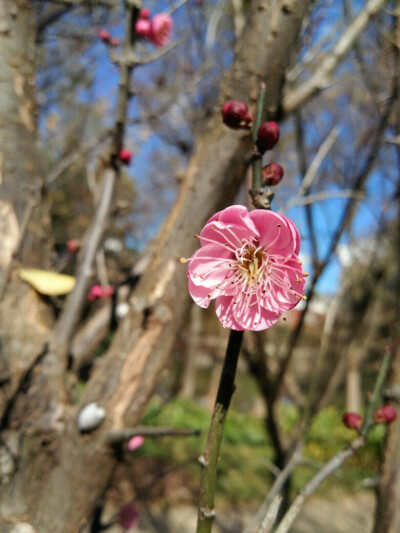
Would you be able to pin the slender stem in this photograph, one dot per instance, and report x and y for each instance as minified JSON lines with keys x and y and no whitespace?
{"x":209,"y":460}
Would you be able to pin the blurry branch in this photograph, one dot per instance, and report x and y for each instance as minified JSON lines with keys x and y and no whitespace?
{"x":70,"y":159}
{"x":297,"y":97}
{"x":275,"y":490}
{"x":134,"y":60}
{"x":53,"y":15}
{"x":270,"y":515}
{"x":316,"y":163}
{"x":338,"y":460}
{"x":302,"y":158}
{"x":311,"y":54}
{"x":117,"y":436}
{"x":345,"y":220}
{"x":70,"y":316}
{"x":176,"y":6}
{"x":322,"y":196}
{"x":335,"y":463}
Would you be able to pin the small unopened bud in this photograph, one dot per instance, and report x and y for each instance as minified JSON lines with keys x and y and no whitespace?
{"x":115,"y":41}
{"x":73,"y":245}
{"x":144,"y":13}
{"x":143,"y":28}
{"x":104,"y":36}
{"x":272,"y":174}
{"x":235,"y":115}
{"x":125,"y":156}
{"x":267,"y":136}
{"x":385,"y":415}
{"x":352,"y":420}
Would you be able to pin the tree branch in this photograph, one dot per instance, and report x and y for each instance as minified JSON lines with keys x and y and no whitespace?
{"x":297,"y":97}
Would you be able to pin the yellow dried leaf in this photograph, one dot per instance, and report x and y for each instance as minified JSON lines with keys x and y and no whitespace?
{"x":46,"y":282}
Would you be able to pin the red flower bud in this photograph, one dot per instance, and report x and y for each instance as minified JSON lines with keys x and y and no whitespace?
{"x":73,"y":245}
{"x":385,"y":415}
{"x":143,"y":28}
{"x":144,"y":13}
{"x":267,"y":135}
{"x":115,"y":41}
{"x":235,"y":115}
{"x":125,"y":156}
{"x":352,"y":420}
{"x":272,"y":174}
{"x":104,"y":36}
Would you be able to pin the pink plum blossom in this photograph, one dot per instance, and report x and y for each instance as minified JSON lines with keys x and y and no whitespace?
{"x":248,"y":263}
{"x":161,"y":28}
{"x":143,"y":28}
{"x":135,"y":443}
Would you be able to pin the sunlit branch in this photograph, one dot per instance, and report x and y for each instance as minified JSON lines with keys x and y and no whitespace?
{"x":318,"y":81}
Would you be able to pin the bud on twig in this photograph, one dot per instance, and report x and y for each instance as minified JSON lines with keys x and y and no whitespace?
{"x":385,"y":415}
{"x":235,"y":115}
{"x":352,"y":420}
{"x":272,"y":174}
{"x":267,"y":136}
{"x":125,"y":156}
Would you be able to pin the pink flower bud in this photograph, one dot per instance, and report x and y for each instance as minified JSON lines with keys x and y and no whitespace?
{"x":385,"y":415}
{"x":104,"y":36}
{"x":268,"y":136}
{"x":125,"y":156}
{"x":352,"y":420}
{"x":95,"y":292}
{"x":272,"y":174}
{"x":235,"y":114}
{"x":73,"y":245}
{"x":135,"y":443}
{"x":115,"y":41}
{"x":143,"y":28}
{"x":144,"y":13}
{"x":128,"y":517}
{"x":161,"y":29}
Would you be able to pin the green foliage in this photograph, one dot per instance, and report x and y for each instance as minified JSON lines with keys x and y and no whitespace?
{"x":244,"y":471}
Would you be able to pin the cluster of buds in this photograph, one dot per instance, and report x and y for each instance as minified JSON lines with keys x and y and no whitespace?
{"x":384,"y":415}
{"x":105,"y":36}
{"x":236,"y":115}
{"x":97,"y":291}
{"x":157,"y":30}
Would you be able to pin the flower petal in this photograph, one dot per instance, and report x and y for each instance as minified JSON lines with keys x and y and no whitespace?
{"x":209,"y":265}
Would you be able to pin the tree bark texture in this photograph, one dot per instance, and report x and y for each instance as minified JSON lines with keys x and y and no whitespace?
{"x":25,"y":319}
{"x":61,"y":473}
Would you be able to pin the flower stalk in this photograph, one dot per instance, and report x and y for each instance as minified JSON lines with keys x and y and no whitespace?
{"x":209,"y":460}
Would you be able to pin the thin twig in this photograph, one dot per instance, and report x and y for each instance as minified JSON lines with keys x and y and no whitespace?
{"x":117,"y":436}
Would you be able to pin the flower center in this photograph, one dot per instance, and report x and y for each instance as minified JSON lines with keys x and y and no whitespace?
{"x":250,"y":263}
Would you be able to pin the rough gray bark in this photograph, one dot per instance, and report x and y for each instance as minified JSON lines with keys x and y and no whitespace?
{"x":24,"y":221}
{"x":62,"y":474}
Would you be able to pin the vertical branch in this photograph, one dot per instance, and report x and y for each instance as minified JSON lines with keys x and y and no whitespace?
{"x":209,"y":461}
{"x":72,"y":311}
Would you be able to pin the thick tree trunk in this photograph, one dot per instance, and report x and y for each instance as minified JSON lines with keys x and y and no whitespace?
{"x":63,"y":474}
{"x":24,"y":223}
